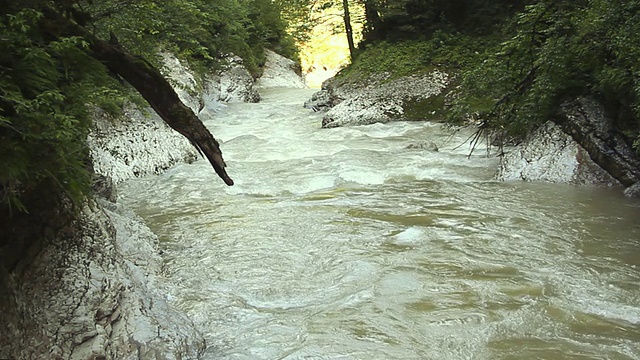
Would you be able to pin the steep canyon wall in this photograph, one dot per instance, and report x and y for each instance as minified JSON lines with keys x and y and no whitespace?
{"x":86,"y":284}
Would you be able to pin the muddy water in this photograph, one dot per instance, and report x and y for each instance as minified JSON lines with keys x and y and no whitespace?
{"x":352,"y":244}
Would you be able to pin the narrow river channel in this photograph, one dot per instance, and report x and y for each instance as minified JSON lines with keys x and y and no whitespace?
{"x":350,"y":243}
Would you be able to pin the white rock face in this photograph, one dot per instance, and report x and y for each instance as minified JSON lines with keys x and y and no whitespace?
{"x":141,"y":143}
{"x":381,"y":100}
{"x":94,"y":292}
{"x":137,"y":145}
{"x":553,"y":156}
{"x":183,"y":81}
{"x":235,"y":83}
{"x":280,"y":72}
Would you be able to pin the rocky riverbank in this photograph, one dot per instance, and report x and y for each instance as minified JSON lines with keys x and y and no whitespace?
{"x":580,"y":147}
{"x":86,"y":283}
{"x":377,"y":99}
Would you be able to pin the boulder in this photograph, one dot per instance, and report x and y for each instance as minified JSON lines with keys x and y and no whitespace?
{"x":633,"y":190}
{"x":279,"y":71}
{"x":588,"y":124}
{"x":378,"y":99}
{"x":235,"y":83}
{"x":553,"y":156}
{"x":424,"y":145}
{"x":581,"y":146}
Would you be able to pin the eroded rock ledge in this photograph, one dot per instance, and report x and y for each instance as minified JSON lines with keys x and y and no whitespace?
{"x":551,"y":155}
{"x":579,"y":147}
{"x":89,"y":290}
{"x":281,"y":72}
{"x":375,"y":99}
{"x":142,"y":144}
{"x":587,"y":123}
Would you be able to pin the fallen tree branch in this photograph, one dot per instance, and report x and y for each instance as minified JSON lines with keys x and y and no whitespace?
{"x":149,"y":82}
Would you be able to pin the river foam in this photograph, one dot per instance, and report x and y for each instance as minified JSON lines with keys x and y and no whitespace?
{"x":351,"y":244}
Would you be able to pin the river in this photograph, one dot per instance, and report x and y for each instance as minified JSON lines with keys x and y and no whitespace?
{"x":350,"y":244}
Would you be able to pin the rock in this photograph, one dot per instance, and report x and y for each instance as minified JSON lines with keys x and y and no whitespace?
{"x":375,"y":99}
{"x":583,"y":148}
{"x":236,"y":83}
{"x":137,"y":145}
{"x":92,"y":290}
{"x":233,"y":83}
{"x":333,"y":92}
{"x":320,"y":101}
{"x":633,"y":190}
{"x":588,"y":124}
{"x":104,"y":187}
{"x":280,"y":72}
{"x":424,"y":145}
{"x":182,"y":79}
{"x":551,"y":155}
{"x":140,"y":143}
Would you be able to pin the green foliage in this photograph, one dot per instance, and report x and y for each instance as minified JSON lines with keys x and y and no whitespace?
{"x":430,"y":108}
{"x":269,"y":29}
{"x":404,"y":19}
{"x":299,"y":17}
{"x":559,"y":50}
{"x":199,"y":31}
{"x":418,"y":36}
{"x":450,"y":52}
{"x":395,"y":59}
{"x":43,"y":118}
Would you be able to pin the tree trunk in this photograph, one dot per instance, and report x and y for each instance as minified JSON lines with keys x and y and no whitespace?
{"x":149,"y":82}
{"x":348,"y":29}
{"x":373,"y":24}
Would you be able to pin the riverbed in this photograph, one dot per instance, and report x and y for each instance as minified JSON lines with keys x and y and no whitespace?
{"x":363,"y":243}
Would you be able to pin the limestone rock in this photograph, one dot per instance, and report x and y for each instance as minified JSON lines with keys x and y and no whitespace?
{"x":183,"y":81}
{"x":633,"y":190}
{"x":320,"y":101}
{"x":140,"y":143}
{"x":424,"y":145}
{"x":137,"y":145}
{"x":586,"y":121}
{"x":280,"y":72}
{"x":583,"y":148}
{"x":375,"y":99}
{"x":551,"y":155}
{"x":233,"y":83}
{"x":103,"y":187}
{"x":93,"y":292}
{"x":236,"y":83}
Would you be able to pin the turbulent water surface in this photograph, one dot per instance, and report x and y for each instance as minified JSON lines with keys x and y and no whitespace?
{"x":350,"y":243}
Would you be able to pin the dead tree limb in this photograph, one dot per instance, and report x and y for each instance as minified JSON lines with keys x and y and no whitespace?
{"x":149,"y":82}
